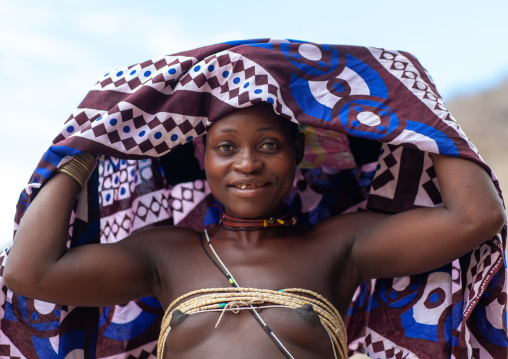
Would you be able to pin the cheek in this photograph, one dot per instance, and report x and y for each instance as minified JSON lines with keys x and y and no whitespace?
{"x":288,"y":183}
{"x":287,"y":173}
{"x":215,"y":173}
{"x":213,"y":163}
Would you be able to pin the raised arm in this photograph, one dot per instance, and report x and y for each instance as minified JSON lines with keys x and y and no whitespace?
{"x":427,"y":238}
{"x":39,"y":265}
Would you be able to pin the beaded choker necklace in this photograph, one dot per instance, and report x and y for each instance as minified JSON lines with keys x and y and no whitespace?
{"x":237,"y":224}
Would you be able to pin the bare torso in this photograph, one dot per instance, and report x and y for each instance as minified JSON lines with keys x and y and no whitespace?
{"x":292,"y":258}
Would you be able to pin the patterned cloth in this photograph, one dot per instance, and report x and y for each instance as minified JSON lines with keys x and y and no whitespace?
{"x":370,"y":116}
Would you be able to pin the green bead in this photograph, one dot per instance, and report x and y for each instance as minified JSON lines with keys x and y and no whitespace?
{"x":222,"y":305}
{"x":231,"y":280}
{"x":282,"y":290}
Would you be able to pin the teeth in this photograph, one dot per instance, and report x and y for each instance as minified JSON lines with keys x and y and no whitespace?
{"x":244,"y":186}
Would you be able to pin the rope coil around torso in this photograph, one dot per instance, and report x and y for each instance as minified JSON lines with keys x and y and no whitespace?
{"x":236,"y":299}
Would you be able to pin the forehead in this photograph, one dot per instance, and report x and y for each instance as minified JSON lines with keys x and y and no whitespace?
{"x":248,"y":119}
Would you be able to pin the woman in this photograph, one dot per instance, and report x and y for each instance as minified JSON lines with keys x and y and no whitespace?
{"x":250,"y":160}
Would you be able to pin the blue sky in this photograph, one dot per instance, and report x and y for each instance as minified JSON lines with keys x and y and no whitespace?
{"x":51,"y":52}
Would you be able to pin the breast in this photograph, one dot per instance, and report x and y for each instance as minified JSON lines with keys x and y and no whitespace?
{"x":300,"y":331}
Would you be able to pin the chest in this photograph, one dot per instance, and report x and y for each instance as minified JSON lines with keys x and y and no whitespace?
{"x":273,"y":266}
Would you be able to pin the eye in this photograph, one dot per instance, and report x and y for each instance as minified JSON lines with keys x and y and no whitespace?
{"x":225,"y":148}
{"x":269,"y":146}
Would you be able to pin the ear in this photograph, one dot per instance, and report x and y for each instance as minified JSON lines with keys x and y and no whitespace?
{"x":299,"y":147}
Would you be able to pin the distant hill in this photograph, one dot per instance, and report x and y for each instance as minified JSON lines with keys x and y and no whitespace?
{"x":484,"y":118}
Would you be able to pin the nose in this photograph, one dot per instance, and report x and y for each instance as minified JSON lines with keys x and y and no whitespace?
{"x":248,"y":162}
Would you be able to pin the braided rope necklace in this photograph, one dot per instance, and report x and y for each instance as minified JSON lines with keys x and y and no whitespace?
{"x":239,"y":298}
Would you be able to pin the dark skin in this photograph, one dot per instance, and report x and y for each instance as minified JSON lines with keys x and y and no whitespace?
{"x":251,"y":147}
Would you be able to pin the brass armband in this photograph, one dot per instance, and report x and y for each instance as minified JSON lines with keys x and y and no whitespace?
{"x":79,"y":168}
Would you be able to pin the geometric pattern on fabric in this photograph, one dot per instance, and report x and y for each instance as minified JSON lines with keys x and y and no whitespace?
{"x":186,"y":196}
{"x":425,"y":313}
{"x":9,"y":320}
{"x":385,"y":180}
{"x":380,"y":347}
{"x":149,"y":72}
{"x":148,"y":351}
{"x":9,"y":350}
{"x":36,"y":329}
{"x":428,"y":190}
{"x":144,"y":133}
{"x":146,"y":210}
{"x":393,"y":184}
{"x":481,"y":268}
{"x":475,"y":350}
{"x":134,"y":325}
{"x":125,"y":204}
{"x":231,"y":77}
{"x":401,"y":67}
{"x":135,"y":114}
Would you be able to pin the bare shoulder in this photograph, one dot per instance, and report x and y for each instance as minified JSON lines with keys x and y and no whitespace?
{"x":156,"y":239}
{"x":346,"y":227}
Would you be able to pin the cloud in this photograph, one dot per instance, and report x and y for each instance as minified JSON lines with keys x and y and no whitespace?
{"x":154,"y":33}
{"x":36,"y":45}
{"x":130,"y":28}
{"x":167,"y":41}
{"x":25,"y":16}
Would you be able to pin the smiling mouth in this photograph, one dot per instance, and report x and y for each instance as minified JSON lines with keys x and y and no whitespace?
{"x":249,"y":186}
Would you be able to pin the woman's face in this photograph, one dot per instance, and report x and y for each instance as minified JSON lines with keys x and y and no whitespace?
{"x":250,"y":161}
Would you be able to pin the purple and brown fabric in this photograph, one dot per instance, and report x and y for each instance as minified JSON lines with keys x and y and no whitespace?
{"x":370,"y":115}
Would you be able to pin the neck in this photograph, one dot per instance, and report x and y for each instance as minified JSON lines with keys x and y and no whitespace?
{"x":249,"y":238}
{"x":231,"y":223}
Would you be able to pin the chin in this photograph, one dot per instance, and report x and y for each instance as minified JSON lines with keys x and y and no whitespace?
{"x":251,"y":212}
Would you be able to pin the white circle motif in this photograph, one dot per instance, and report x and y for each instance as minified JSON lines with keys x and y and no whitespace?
{"x":155,"y":207}
{"x":310,"y":52}
{"x":187,"y":194}
{"x":107,"y":183}
{"x":146,"y":173}
{"x":43,"y":307}
{"x":421,"y":85}
{"x":177,"y":205}
{"x":398,"y":65}
{"x":198,"y":184}
{"x":142,"y":211}
{"x":368,"y":118}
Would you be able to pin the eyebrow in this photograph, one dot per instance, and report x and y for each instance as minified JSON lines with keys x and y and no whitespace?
{"x":231,"y":130}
